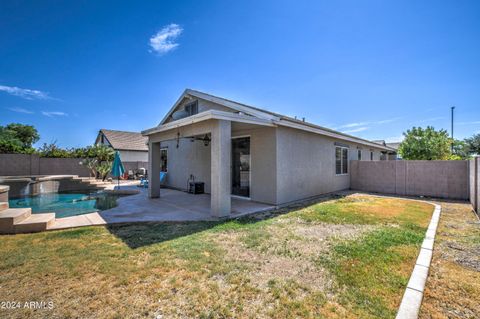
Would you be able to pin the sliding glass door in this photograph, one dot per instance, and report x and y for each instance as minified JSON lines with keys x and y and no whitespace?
{"x":241,"y":166}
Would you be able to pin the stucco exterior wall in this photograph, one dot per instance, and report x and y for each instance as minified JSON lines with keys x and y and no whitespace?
{"x":444,"y":179}
{"x":306,"y":164}
{"x":262,"y":162}
{"x":133,"y":156}
{"x":190,"y":158}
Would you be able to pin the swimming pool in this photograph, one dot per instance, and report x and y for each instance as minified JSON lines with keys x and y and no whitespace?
{"x":66,"y":204}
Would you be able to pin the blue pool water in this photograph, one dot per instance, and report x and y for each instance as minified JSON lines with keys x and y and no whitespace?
{"x":66,"y":204}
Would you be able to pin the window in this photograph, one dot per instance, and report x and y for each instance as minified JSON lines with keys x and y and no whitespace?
{"x":191,"y":108}
{"x":341,"y":160}
{"x":371,"y":155}
{"x":359,"y":155}
{"x":163,"y":159}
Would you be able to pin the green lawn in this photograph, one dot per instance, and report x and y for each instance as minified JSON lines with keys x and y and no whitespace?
{"x":347,"y":257}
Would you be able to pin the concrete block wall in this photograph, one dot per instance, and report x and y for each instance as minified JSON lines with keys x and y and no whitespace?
{"x":61,"y":166}
{"x":27,"y":165}
{"x":474,"y":177}
{"x":443,"y":179}
{"x":18,"y":164}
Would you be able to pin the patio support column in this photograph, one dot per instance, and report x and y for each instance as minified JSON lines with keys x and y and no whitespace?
{"x":154,"y":170}
{"x":221,"y":151}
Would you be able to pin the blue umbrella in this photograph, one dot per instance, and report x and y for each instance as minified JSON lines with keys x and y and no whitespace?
{"x":117,"y":167}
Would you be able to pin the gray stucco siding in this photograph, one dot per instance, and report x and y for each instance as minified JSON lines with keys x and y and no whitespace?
{"x":190,"y":158}
{"x":306,"y":164}
{"x":262,"y":163}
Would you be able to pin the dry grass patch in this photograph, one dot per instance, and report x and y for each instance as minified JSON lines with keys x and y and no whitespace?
{"x":453,"y":285}
{"x":336,"y":259}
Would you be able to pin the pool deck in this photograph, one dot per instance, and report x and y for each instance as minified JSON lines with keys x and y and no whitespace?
{"x":172,"y":206}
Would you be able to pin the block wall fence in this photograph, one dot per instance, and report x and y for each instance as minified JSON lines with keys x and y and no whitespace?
{"x":443,"y":179}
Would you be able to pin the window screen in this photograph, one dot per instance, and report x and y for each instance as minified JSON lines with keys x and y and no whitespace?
{"x":344,"y":160}
{"x":338,"y":160}
{"x":341,"y":160}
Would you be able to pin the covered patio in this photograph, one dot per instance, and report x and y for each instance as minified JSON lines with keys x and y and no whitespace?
{"x":218,"y":128}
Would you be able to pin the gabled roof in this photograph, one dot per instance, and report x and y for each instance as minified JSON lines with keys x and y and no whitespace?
{"x":122,"y":140}
{"x":243,"y":108}
{"x":382,"y":142}
{"x":395,"y":145}
{"x":264,"y":115}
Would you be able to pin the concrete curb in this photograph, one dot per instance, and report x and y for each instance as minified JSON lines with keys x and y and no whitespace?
{"x":412,"y":298}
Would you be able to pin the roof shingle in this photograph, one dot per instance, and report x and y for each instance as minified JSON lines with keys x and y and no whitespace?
{"x":121,"y":140}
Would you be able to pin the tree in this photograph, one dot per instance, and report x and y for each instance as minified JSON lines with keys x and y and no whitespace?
{"x":473,"y":144}
{"x":104,"y":169}
{"x":17,"y":138}
{"x":425,"y":144}
{"x":53,"y":150}
{"x":91,"y":164}
{"x":461,"y":150}
{"x":103,"y":153}
{"x":27,"y":134}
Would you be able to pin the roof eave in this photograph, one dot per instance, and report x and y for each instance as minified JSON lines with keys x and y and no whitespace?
{"x":322,"y":131}
{"x":208,"y":115}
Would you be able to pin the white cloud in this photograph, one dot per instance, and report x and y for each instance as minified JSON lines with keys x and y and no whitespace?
{"x":164,"y":40}
{"x":394,"y":139}
{"x":20,"y":110}
{"x":356,"y":130}
{"x":25,"y":93}
{"x":52,"y":114}
{"x":388,"y":120}
{"x":432,"y":119}
{"x":351,"y":125}
{"x":469,"y":123}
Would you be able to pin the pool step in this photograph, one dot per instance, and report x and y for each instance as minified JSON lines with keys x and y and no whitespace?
{"x":11,"y":216}
{"x":35,"y":223}
{"x":3,"y":206}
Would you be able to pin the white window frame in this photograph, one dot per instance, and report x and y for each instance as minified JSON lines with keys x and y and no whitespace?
{"x":341,"y":160}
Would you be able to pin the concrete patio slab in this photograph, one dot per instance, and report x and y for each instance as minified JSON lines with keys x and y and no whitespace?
{"x":172,"y":206}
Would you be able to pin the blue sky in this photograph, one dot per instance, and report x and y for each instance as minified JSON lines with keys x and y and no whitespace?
{"x":370,"y":68}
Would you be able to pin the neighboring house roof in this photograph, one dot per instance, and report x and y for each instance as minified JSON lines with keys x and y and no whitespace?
{"x":382,"y":142}
{"x":391,"y":145}
{"x":122,"y":140}
{"x":249,"y":113}
{"x":395,"y":145}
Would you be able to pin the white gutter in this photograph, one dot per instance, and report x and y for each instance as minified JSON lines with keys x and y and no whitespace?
{"x":208,"y":115}
{"x":241,"y":118}
{"x":331,"y":134}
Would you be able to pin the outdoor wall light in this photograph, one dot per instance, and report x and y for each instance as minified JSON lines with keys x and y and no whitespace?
{"x":206,"y":140}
